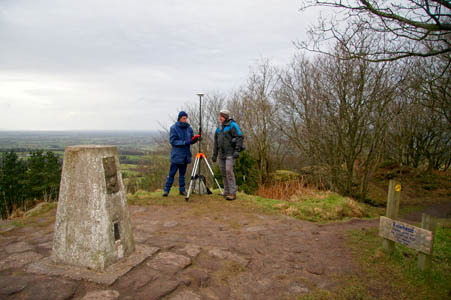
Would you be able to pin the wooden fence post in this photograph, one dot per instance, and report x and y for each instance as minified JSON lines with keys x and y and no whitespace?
{"x":393,"y":199}
{"x":429,"y":223}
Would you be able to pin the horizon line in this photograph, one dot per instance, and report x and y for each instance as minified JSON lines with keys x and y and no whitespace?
{"x":66,"y":130}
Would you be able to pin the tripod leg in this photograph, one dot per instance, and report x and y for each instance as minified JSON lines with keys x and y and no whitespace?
{"x":193,"y":172}
{"x":198,"y":174}
{"x":214,"y":177}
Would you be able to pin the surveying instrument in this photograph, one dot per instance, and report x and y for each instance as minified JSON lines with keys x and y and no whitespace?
{"x":196,"y":177}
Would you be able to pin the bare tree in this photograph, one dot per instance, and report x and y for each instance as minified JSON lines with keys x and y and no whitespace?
{"x":336,"y":113}
{"x":297,"y":103}
{"x":399,"y":29}
{"x":253,"y":108}
{"x":434,"y":85}
{"x":421,"y":133}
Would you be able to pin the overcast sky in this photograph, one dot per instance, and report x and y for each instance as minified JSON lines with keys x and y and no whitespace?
{"x":115,"y":64}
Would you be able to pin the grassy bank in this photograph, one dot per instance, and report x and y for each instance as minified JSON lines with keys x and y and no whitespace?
{"x":319,"y":207}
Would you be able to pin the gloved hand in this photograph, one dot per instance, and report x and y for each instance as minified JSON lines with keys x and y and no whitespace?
{"x":195,"y":138}
{"x":236,"y":154}
{"x":213,"y":159}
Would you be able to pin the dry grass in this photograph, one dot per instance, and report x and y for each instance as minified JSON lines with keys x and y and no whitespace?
{"x":297,"y":199}
{"x":293,"y":191}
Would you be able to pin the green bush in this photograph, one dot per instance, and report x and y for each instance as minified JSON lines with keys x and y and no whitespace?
{"x":153,"y":172}
{"x":284,"y":175}
{"x":246,"y":173}
{"x":22,"y":181}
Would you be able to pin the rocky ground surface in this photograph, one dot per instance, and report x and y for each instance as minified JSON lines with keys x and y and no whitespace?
{"x":208,"y":253}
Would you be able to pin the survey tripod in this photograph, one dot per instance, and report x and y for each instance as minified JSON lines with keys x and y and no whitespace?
{"x":195,"y":173}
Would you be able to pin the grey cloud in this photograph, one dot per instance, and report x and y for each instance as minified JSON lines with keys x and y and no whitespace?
{"x":136,"y":58}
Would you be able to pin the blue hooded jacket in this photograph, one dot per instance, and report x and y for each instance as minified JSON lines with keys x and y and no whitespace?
{"x":180,"y":138}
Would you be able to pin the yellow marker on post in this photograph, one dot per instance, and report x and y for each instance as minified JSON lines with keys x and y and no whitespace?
{"x":398,"y":188}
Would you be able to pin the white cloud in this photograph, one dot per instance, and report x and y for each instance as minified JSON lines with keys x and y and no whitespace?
{"x":105,"y":64}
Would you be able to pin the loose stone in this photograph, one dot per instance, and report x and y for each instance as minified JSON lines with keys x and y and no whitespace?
{"x":102,"y":295}
{"x":315,"y":268}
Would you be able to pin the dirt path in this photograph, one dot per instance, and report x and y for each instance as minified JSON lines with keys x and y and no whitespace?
{"x":214,"y":250}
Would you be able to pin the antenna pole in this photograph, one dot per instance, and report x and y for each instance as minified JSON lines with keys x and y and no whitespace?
{"x":200,"y":119}
{"x":200,"y":132}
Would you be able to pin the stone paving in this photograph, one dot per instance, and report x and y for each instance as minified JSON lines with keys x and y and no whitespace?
{"x":226,"y":255}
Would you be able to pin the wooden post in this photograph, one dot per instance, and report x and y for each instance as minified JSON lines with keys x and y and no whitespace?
{"x":393,"y":199}
{"x":425,"y":261}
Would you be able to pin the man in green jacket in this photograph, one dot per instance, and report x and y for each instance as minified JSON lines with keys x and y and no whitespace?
{"x":228,"y":144}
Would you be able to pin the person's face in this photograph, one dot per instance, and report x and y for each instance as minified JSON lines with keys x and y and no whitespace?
{"x":221,"y":119}
{"x":183,"y":119}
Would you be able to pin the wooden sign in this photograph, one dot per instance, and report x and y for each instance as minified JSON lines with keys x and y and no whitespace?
{"x":413,"y":237}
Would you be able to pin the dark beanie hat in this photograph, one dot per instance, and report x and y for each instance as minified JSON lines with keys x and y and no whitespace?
{"x":181,"y":114}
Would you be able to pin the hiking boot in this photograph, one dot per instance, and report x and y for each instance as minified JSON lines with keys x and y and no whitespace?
{"x":182,"y":193}
{"x":165,"y":194}
{"x":230,"y":197}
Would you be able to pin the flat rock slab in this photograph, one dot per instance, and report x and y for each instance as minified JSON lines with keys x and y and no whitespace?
{"x":223,"y":254}
{"x":158,"y":289}
{"x":191,"y":250}
{"x":43,"y":239}
{"x":18,"y":260}
{"x":147,"y":227}
{"x":47,"y":245}
{"x":218,"y":293}
{"x":168,"y":261}
{"x":136,"y":279}
{"x":255,"y":228}
{"x":13,"y":284}
{"x":186,"y":295}
{"x":55,"y":289}
{"x":18,"y":247}
{"x":102,"y":295}
{"x":108,"y":277}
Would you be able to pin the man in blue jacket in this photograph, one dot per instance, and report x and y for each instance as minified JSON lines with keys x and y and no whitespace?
{"x":181,"y":137}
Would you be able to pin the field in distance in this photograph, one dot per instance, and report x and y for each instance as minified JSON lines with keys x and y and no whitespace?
{"x":134,"y":147}
{"x":58,"y":140}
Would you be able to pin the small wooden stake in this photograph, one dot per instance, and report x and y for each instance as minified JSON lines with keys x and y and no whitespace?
{"x":393,"y":199}
{"x":424,"y":260}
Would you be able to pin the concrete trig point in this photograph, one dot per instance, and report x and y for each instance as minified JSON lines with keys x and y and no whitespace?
{"x":93,"y":238}
{"x":92,"y":226}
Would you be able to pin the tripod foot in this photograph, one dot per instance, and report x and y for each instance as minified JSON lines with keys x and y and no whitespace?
{"x":186,"y":199}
